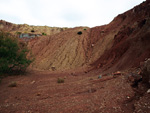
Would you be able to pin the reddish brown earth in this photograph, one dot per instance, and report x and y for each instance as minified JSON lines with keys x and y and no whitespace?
{"x":112,"y":46}
{"x":86,"y":62}
{"x":80,"y":93}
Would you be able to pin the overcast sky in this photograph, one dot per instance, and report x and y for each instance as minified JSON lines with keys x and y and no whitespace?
{"x":64,"y":13}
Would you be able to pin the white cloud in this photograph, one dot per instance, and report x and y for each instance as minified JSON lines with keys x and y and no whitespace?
{"x":64,"y":13}
{"x":17,"y":9}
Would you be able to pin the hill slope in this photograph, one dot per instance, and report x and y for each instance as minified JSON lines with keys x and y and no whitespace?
{"x":131,"y":41}
{"x":65,"y":50}
{"x":112,"y":46}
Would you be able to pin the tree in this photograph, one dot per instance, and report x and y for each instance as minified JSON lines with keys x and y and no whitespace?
{"x":13,"y":56}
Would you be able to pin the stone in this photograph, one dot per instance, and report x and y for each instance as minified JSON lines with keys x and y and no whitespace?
{"x":148,"y":91}
{"x":38,"y":94}
{"x":53,"y":68}
{"x":117,"y":73}
{"x":100,"y":76}
{"x":33,"y":82}
{"x":92,"y":45}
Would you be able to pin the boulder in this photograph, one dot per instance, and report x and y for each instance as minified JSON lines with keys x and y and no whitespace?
{"x":53,"y":68}
{"x":117,"y":73}
{"x":145,"y":72}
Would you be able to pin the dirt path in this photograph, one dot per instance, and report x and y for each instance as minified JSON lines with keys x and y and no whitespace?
{"x":84,"y":93}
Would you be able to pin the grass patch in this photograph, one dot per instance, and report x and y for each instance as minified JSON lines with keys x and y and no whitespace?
{"x":60,"y":80}
{"x":13,"y":84}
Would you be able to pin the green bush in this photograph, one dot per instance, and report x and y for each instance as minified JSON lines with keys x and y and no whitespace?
{"x":18,"y":33}
{"x":60,"y":80}
{"x":79,"y":33}
{"x":12,"y":56}
{"x":44,"y":34}
{"x":12,"y":84}
{"x":32,"y":30}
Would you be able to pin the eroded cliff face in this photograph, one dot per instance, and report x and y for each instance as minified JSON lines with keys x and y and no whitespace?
{"x":66,"y":50}
{"x":130,"y":42}
{"x":119,"y":45}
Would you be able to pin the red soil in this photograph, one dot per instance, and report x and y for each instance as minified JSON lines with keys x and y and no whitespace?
{"x":39,"y":92}
{"x":80,"y":60}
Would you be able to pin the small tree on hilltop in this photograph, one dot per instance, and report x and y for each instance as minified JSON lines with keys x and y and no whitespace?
{"x":12,"y":56}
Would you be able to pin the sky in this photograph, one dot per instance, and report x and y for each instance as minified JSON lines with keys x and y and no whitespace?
{"x":64,"y":13}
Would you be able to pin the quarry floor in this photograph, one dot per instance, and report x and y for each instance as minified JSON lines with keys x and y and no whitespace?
{"x":39,"y":92}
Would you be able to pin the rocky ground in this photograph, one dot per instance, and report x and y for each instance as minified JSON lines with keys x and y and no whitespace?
{"x":40,"y":92}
